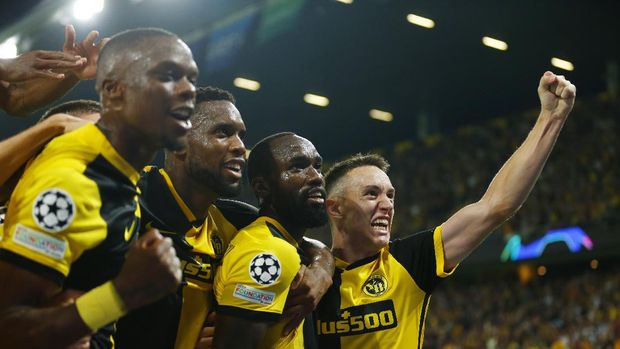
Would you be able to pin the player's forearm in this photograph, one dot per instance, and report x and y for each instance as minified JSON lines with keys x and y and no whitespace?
{"x":468,"y":227}
{"x":320,"y":255}
{"x":30,"y":328}
{"x":238,"y":333}
{"x":15,"y":151}
{"x":28,"y":96}
{"x":514,"y":181}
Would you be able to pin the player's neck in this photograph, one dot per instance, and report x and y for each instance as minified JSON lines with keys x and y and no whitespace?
{"x":350,"y":251}
{"x":131,"y":147}
{"x":296,"y":231}
{"x":196,"y":196}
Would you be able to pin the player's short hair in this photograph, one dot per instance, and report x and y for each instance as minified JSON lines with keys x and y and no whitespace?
{"x":122,"y":44}
{"x":341,"y":168}
{"x":211,"y":93}
{"x":75,"y":108}
{"x":260,"y":161}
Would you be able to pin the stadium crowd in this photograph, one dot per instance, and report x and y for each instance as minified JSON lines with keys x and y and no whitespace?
{"x":579,"y":184}
{"x":581,"y":311}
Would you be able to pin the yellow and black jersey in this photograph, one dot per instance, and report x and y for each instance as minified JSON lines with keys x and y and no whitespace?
{"x":2,"y":214}
{"x":381,"y":301}
{"x":73,"y":214}
{"x":255,"y":277}
{"x":200,"y":243}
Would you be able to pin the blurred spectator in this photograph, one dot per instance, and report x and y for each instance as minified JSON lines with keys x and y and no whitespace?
{"x":582,"y":311}
{"x":580,"y":183}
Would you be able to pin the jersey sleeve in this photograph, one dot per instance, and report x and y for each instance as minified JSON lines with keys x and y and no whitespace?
{"x":422,"y":255}
{"x":52,"y":218}
{"x":255,"y":278}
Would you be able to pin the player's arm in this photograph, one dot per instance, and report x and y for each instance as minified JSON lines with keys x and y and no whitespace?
{"x":236,"y":332}
{"x":17,"y":150}
{"x":37,"y":78}
{"x":468,"y":227}
{"x":310,"y":284}
{"x":151,"y":270}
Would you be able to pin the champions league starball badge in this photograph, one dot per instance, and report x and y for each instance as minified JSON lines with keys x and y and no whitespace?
{"x":265,"y":269}
{"x":53,"y":210}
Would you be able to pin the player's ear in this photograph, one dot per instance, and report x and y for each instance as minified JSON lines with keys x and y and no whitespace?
{"x":112,"y":92}
{"x":261,"y":188}
{"x":333,"y":207}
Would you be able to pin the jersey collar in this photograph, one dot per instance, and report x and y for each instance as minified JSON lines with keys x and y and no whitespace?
{"x":285,"y":234}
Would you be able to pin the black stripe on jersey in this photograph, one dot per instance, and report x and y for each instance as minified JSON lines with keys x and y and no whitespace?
{"x":236,"y":212}
{"x":329,"y":308}
{"x":118,"y":209}
{"x":362,"y":261}
{"x":32,"y":266}
{"x":159,"y":207}
{"x":253,"y":315}
{"x":427,"y":298}
{"x":417,"y":254}
{"x":274,"y":231}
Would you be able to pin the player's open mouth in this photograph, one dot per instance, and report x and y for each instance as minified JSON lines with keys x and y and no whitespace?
{"x":234,"y":167}
{"x":316,"y":196}
{"x":380,"y":225}
{"x":183,"y":115}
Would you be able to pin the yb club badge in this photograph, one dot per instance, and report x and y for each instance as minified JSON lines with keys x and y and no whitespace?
{"x":218,"y":246}
{"x":375,"y":286}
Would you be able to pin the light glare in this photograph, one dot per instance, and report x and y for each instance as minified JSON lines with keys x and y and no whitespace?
{"x":316,"y":100}
{"x":381,"y":115}
{"x":8,"y":49}
{"x":246,"y":84}
{"x":494,"y":43}
{"x":562,"y":64}
{"x":421,"y":21}
{"x":85,"y":9}
{"x":348,"y":2}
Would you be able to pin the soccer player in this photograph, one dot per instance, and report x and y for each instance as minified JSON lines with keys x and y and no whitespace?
{"x":180,"y":201}
{"x":36,"y":78}
{"x":75,"y":211}
{"x":252,"y":285}
{"x":382,"y":288}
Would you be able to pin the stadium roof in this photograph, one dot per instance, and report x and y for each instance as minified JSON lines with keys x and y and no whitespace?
{"x":360,"y":55}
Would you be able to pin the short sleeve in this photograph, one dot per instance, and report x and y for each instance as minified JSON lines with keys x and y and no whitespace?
{"x":254,"y":279}
{"x":52,"y":218}
{"x":422,"y":255}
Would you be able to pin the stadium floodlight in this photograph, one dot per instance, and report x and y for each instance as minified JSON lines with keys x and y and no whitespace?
{"x":8,"y":49}
{"x":317,"y":100}
{"x":348,"y":2}
{"x":85,"y":9}
{"x":246,"y":84}
{"x":562,"y":64}
{"x":421,"y":21}
{"x":494,"y":43}
{"x":381,"y":115}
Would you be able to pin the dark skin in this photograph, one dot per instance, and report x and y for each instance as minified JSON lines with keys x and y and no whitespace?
{"x":151,"y":269}
{"x":297,"y":172}
{"x":215,"y":143}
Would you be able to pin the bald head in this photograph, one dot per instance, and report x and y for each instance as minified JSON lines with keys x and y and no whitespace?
{"x":125,"y":48}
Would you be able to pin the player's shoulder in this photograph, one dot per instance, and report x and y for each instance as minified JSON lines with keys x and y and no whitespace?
{"x":238,"y":213}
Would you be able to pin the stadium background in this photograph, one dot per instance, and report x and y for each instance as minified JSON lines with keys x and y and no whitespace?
{"x":458,"y":109}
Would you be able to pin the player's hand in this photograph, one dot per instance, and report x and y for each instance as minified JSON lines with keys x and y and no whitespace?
{"x":205,"y":341}
{"x":557,"y":95}
{"x":67,"y":123}
{"x":38,"y":64}
{"x":87,"y":48}
{"x":307,"y":289}
{"x":151,"y":271}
